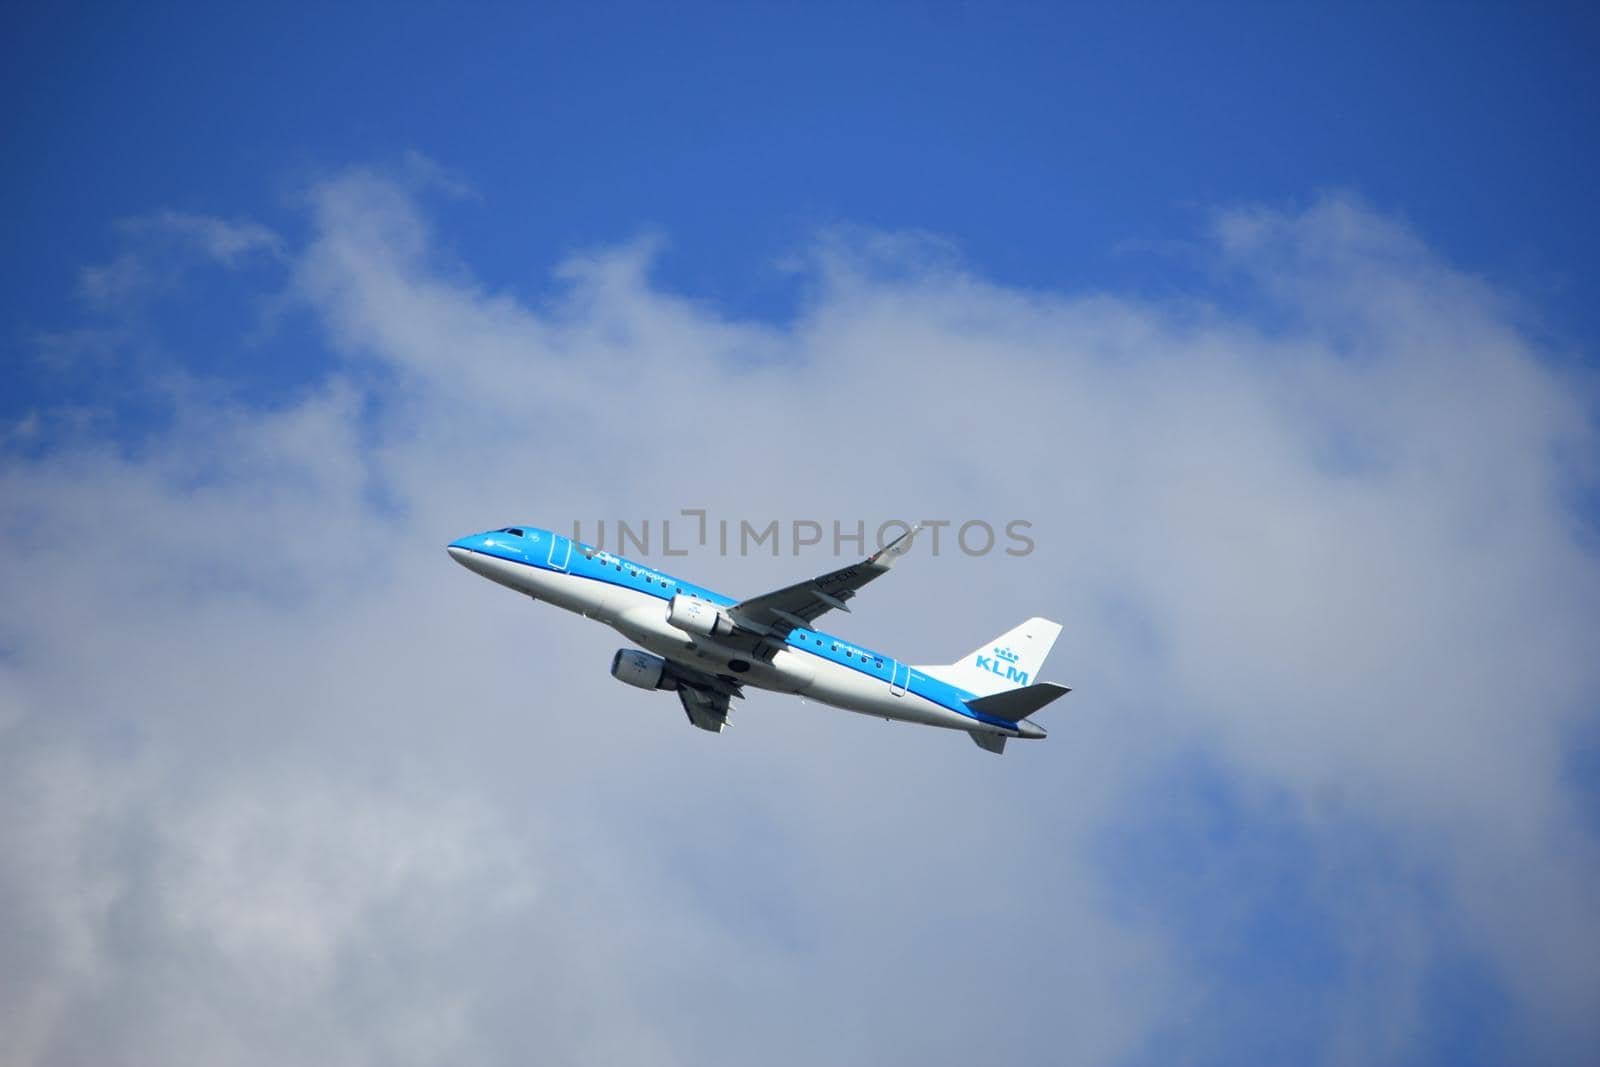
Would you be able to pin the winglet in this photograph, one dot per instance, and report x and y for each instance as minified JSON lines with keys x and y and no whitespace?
{"x":892,"y":551}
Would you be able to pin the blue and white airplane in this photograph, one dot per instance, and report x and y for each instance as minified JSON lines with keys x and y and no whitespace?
{"x":707,"y":647}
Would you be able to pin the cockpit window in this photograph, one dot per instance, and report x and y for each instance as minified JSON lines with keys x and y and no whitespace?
{"x":513,"y":531}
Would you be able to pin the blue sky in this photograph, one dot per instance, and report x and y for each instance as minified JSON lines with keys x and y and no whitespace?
{"x":1277,"y":322}
{"x":1049,"y":141}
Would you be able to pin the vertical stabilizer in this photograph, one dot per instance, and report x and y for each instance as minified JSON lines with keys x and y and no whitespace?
{"x":1009,"y":661}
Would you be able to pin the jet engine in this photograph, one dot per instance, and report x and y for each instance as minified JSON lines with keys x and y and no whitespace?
{"x":641,"y":669}
{"x":698,"y":617}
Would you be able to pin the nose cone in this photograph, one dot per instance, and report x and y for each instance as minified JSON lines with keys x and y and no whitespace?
{"x":470,"y":552}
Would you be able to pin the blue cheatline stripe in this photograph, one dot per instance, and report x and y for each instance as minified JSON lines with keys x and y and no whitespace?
{"x":946,"y":696}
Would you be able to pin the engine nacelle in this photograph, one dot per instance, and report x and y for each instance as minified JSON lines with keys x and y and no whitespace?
{"x":641,"y":669}
{"x":695,"y":616}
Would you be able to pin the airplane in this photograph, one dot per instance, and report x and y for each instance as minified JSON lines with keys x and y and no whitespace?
{"x":707,"y":647}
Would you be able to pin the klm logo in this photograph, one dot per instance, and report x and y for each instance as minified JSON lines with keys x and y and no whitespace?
{"x":1003,"y":663}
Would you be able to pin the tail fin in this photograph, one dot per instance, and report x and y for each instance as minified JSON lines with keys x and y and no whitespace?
{"x":1011,"y":660}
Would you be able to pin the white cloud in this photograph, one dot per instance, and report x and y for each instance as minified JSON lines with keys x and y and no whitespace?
{"x":258,"y":723}
{"x":224,"y":241}
{"x":160,"y":250}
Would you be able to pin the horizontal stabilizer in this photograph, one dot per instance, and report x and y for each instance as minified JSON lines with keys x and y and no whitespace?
{"x":995,"y":743}
{"x":1014,"y":705}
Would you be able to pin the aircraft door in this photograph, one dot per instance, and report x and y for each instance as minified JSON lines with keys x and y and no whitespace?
{"x":560,"y":552}
{"x":899,"y":678}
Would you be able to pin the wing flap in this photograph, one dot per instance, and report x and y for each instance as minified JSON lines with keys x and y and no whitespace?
{"x":708,"y":711}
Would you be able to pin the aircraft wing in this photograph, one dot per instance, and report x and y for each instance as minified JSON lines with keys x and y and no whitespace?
{"x":704,"y":696}
{"x":776,"y":613}
{"x":706,"y":709}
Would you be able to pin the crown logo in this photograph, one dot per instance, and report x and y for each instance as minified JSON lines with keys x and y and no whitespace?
{"x":1006,"y":655}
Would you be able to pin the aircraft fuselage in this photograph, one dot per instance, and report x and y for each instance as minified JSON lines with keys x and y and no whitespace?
{"x":634,"y":599}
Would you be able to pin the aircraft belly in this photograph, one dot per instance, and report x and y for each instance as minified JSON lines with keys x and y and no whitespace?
{"x":532,"y":581}
{"x":499,"y":571}
{"x":642,"y":619}
{"x":564,"y":591}
{"x":793,"y":671}
{"x":854,"y":691}
{"x":595,"y":600}
{"x":786,"y":673}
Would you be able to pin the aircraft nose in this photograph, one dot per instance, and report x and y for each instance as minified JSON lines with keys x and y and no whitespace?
{"x":462,"y":549}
